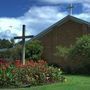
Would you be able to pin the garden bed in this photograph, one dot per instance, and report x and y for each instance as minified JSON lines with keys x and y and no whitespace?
{"x":31,"y":74}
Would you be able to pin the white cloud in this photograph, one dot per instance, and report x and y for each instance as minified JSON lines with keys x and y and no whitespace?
{"x":36,"y":19}
{"x":11,"y":24}
{"x":6,"y":34}
{"x":86,"y":8}
{"x":64,"y":1}
{"x":39,"y":18}
{"x":83,"y":16}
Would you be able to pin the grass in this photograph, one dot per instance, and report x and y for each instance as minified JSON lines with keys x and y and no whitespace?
{"x":72,"y":83}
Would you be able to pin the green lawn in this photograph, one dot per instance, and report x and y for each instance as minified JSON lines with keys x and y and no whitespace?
{"x":72,"y":83}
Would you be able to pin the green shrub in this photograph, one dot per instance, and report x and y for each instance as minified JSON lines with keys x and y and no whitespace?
{"x":77,"y":57}
{"x":7,"y":76}
{"x":81,"y":50}
{"x":12,"y":53}
{"x":62,"y":51}
{"x":34,"y":50}
{"x":16,"y":53}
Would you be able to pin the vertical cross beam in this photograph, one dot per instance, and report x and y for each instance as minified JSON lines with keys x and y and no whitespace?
{"x":70,"y":8}
{"x":23,"y":44}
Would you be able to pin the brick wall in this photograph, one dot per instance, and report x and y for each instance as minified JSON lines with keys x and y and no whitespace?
{"x":64,"y":35}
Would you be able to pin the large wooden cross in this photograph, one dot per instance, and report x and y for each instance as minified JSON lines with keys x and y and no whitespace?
{"x":23,"y":37}
{"x":70,"y":8}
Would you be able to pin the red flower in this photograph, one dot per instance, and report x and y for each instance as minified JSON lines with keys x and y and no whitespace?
{"x":3,"y":68}
{"x":17,"y":62}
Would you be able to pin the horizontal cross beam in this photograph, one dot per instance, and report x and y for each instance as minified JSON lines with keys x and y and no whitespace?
{"x":20,"y":37}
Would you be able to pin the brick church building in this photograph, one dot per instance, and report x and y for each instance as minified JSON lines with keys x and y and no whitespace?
{"x":64,"y":33}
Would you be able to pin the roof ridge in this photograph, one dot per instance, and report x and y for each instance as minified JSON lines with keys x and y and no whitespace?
{"x":60,"y":22}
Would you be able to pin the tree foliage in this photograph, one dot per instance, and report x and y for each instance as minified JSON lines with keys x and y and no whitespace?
{"x":81,"y":50}
{"x":16,"y":52}
{"x":34,"y":50}
{"x":6,"y":43}
{"x":78,"y":56}
{"x":62,"y":51}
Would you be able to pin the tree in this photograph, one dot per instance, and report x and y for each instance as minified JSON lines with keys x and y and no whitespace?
{"x":11,"y":51}
{"x":5,"y":43}
{"x":16,"y":52}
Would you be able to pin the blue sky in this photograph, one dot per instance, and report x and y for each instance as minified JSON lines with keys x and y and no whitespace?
{"x":37,"y":14}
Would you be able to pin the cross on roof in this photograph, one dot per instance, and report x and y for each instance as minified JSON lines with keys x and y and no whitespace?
{"x":23,"y":37}
{"x":70,"y":8}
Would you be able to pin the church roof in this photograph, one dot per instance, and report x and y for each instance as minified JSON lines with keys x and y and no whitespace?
{"x":60,"y":22}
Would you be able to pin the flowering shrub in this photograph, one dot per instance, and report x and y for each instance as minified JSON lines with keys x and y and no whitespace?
{"x":32,"y":73}
{"x":6,"y":75}
{"x":2,"y":61}
{"x":36,"y":73}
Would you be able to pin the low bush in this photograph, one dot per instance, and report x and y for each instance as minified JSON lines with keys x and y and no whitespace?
{"x":7,"y":75}
{"x":77,"y":58}
{"x":32,"y":73}
{"x":37,"y":73}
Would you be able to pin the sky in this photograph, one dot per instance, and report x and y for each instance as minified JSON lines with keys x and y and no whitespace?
{"x":37,"y":15}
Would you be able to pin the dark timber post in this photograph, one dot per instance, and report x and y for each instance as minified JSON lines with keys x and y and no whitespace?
{"x":23,"y":44}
